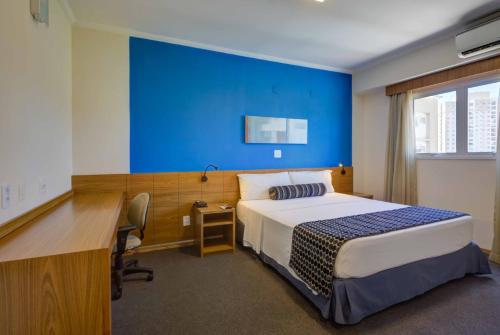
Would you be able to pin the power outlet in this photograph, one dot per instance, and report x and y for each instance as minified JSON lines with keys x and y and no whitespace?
{"x":21,"y":192}
{"x":277,"y":153}
{"x":186,"y":220}
{"x":6,"y":196}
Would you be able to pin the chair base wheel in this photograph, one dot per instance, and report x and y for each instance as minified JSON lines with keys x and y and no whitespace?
{"x":137,"y":270}
{"x":131,"y":263}
{"x":116,"y":296}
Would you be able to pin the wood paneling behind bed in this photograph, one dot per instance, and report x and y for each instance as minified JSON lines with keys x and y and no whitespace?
{"x":173,"y":193}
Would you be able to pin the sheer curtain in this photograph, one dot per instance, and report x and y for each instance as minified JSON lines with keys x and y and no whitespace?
{"x":495,"y":250}
{"x":401,"y":174}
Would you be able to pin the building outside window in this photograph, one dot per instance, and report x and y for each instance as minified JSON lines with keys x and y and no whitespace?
{"x":459,"y":120}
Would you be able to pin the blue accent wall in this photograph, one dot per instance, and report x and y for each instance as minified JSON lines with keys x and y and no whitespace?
{"x":188,"y":105}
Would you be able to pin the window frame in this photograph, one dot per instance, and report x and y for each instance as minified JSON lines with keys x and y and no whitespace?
{"x":462,"y":123}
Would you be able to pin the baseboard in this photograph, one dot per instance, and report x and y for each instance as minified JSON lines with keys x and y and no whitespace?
{"x":29,"y":216}
{"x":166,"y":246}
{"x":161,"y":246}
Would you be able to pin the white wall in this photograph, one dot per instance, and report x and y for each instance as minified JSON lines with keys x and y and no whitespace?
{"x":464,"y":185}
{"x":440,"y":55}
{"x":35,"y":105}
{"x":370,"y":120}
{"x":101,"y":129}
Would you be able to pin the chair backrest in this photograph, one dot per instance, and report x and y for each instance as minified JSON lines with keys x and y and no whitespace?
{"x":138,"y":212}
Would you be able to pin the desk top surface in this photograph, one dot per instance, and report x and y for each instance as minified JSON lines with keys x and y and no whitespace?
{"x":84,"y":222}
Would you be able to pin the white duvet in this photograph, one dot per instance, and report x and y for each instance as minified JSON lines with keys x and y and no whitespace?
{"x":269,"y":228}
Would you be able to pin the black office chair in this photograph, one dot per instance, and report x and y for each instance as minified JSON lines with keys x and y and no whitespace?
{"x":137,"y":218}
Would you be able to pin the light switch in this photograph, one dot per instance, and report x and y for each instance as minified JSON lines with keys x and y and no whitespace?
{"x":6,"y":194}
{"x":186,"y":220}
{"x":277,"y":153}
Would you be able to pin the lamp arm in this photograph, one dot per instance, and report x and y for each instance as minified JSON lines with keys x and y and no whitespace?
{"x":210,"y":165}
{"x":204,"y":178}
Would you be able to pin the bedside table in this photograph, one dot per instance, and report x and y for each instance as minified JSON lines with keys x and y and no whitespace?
{"x":361,"y":195}
{"x":214,"y":229}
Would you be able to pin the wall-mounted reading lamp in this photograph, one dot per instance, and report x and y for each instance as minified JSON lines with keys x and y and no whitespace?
{"x":40,"y":10}
{"x":342,"y":172}
{"x":204,"y":178}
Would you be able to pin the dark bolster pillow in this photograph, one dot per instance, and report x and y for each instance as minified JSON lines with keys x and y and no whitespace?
{"x":297,"y":191}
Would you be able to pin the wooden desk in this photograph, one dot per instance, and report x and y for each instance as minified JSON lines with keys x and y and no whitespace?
{"x":55,"y":271}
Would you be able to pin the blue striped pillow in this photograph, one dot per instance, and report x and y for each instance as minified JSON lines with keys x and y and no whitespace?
{"x":297,"y":191}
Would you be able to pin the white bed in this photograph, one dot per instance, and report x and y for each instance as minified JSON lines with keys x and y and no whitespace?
{"x":269,"y":227}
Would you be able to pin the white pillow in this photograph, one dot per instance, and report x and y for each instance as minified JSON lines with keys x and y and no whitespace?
{"x":256,"y":186}
{"x":309,"y":177}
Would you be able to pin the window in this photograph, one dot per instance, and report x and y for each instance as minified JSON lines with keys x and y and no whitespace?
{"x":435,"y":123}
{"x":482,"y":115}
{"x":458,"y":121}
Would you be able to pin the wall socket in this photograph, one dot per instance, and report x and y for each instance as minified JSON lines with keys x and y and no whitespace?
{"x":277,"y":153}
{"x":21,"y":192}
{"x":6,"y":196}
{"x":186,"y":220}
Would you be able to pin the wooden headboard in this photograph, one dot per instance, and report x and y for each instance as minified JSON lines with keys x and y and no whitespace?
{"x":173,"y":194}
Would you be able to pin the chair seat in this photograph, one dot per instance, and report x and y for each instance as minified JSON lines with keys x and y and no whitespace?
{"x":132,"y":243}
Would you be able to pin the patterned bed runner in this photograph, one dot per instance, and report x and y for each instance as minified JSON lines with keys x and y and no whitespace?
{"x":315,"y":245}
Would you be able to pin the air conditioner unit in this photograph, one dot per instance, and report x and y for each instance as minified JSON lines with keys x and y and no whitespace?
{"x":479,"y":39}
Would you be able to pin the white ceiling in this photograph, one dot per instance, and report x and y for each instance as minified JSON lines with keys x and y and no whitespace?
{"x":341,"y":34}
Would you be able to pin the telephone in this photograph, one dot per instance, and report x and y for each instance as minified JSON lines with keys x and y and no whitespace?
{"x":200,"y":204}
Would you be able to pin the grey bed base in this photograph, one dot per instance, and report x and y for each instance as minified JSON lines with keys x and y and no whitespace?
{"x":353,"y":299}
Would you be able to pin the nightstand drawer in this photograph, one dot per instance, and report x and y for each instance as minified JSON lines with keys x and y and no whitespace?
{"x":217,"y":219}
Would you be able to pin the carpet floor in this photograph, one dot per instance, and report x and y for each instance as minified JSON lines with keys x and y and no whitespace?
{"x":238,"y":294}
